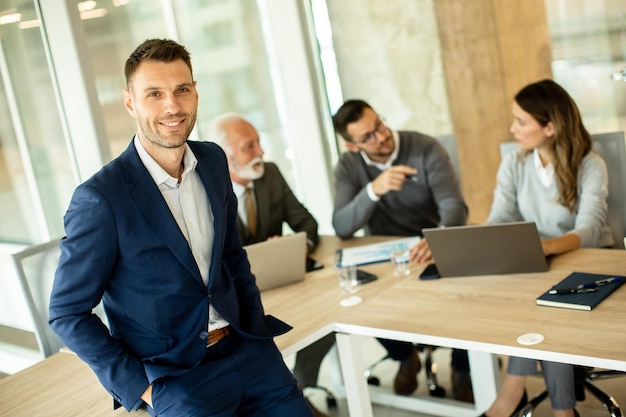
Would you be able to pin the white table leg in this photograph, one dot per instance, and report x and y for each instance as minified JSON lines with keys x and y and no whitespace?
{"x":485,"y":378}
{"x":352,"y":367}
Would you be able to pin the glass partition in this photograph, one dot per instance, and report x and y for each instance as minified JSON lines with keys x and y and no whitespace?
{"x":36,"y":178}
{"x":231,"y":64}
{"x":588,"y":47}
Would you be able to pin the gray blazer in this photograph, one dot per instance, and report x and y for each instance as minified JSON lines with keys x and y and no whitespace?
{"x":433,"y":200}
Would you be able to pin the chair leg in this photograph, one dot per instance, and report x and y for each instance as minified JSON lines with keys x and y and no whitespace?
{"x":331,"y":400}
{"x":371,"y":379}
{"x":527,"y":410}
{"x":607,"y":400}
{"x":431,"y":374}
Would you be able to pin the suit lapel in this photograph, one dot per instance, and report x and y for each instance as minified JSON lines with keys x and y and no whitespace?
{"x":151,"y":203}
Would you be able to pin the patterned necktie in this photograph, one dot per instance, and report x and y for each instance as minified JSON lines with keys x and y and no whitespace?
{"x":251,"y":212}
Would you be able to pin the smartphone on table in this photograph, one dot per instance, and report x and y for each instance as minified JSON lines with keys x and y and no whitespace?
{"x":431,"y":272}
{"x":363,"y":277}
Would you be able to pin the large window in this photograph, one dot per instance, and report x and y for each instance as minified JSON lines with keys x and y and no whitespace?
{"x":234,"y":51}
{"x":36,"y":177}
{"x":113,"y":29}
{"x":588,"y":46}
{"x":63,"y":116}
{"x":229,"y":55}
{"x":233,"y":69}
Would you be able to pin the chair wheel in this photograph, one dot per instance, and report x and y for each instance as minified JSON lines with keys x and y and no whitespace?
{"x":331,"y":402}
{"x":438,"y":392}
{"x":372,"y":380}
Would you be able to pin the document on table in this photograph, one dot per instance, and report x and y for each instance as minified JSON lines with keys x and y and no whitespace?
{"x":373,"y":252}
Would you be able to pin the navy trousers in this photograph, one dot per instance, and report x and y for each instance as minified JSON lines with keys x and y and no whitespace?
{"x":239,"y":377}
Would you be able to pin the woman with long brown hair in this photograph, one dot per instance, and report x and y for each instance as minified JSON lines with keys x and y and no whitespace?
{"x":558,"y":182}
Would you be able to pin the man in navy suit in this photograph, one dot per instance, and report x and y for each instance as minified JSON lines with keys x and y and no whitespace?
{"x":154,"y":236}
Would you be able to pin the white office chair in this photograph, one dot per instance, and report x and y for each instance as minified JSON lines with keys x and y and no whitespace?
{"x":35,"y":267}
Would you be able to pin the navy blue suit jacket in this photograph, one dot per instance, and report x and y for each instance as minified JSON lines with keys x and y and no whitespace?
{"x":124,"y":246}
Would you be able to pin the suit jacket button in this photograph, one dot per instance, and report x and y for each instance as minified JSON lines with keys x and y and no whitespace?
{"x":203,"y":335}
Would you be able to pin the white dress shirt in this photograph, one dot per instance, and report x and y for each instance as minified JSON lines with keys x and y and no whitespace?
{"x":193,"y":215}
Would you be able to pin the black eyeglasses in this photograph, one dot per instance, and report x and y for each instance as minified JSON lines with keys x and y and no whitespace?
{"x":369,"y":137}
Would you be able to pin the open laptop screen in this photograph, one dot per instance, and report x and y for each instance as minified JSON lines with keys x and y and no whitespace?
{"x":278,"y":261}
{"x":506,"y":248}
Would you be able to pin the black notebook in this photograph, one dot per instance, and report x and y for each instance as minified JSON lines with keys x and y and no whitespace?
{"x":581,"y":300}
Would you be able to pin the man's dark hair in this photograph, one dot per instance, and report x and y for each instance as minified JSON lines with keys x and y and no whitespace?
{"x":163,"y":50}
{"x":350,"y":112}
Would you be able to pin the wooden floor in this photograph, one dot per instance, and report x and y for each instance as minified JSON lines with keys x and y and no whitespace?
{"x":387,"y":370}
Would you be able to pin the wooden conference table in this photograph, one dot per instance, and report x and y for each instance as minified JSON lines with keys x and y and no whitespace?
{"x":482,"y":314}
{"x":486,"y":315}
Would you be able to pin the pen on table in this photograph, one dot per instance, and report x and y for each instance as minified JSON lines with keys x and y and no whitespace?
{"x":571,"y":290}
{"x":587,"y":286}
{"x":600,"y":282}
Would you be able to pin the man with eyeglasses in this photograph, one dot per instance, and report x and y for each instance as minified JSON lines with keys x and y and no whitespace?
{"x":394,"y":183}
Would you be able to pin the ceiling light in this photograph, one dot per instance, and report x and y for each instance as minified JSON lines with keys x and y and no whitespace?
{"x":10,"y":18}
{"x":93,"y":14}
{"x":83,"y":6}
{"x":29,"y":24}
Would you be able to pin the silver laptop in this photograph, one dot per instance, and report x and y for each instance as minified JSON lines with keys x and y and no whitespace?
{"x":506,"y":248}
{"x":279,"y":261}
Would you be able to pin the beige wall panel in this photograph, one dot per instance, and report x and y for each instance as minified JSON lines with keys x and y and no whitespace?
{"x":524,"y":43}
{"x":490,"y":49}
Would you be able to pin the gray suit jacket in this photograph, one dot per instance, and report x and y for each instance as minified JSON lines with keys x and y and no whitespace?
{"x":277,"y":204}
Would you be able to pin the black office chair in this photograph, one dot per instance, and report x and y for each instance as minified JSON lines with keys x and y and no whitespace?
{"x":331,"y":400}
{"x":584,"y":378}
{"x":612,"y":148}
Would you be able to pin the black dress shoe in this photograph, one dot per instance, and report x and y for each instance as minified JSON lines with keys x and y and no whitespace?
{"x":462,"y":386}
{"x":405,"y":381}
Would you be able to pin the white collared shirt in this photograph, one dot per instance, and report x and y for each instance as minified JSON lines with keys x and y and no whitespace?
{"x":193,"y":215}
{"x":545,"y":174}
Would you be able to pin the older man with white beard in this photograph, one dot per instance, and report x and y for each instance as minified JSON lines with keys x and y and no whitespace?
{"x":272,"y":200}
{"x":274,"y":203}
